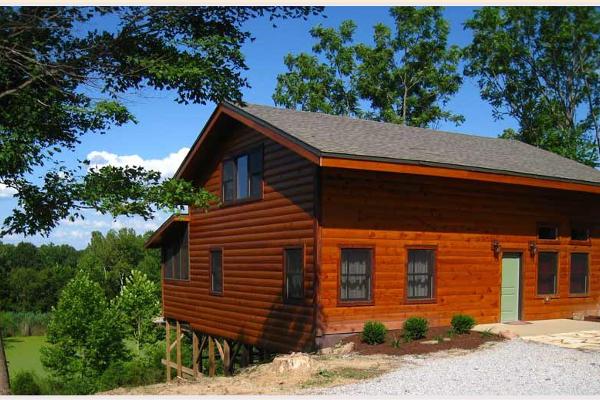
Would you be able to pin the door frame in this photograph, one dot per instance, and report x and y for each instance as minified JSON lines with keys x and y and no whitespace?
{"x":520,"y":253}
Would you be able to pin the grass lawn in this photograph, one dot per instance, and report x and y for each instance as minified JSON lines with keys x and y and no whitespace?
{"x":23,"y":353}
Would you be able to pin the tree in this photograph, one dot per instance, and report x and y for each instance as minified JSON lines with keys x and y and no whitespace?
{"x":109,"y":259}
{"x":62,"y":78}
{"x":4,"y":378}
{"x":540,"y":66}
{"x":322,"y":86}
{"x":139,"y":304}
{"x":408,"y":77}
{"x":85,"y":333}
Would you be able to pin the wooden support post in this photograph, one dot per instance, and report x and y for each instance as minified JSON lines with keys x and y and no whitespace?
{"x":179,"y":372}
{"x":201,"y":354}
{"x":227,"y":364}
{"x":250,"y":354}
{"x":244,"y":356}
{"x":195,"y":354}
{"x":168,"y":344}
{"x":211,"y":357}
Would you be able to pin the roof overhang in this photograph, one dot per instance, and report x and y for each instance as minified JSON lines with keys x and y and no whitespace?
{"x":334,"y":160}
{"x":173,"y":223}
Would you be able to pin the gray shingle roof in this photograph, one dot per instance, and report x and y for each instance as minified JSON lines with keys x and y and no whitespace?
{"x":332,"y":135}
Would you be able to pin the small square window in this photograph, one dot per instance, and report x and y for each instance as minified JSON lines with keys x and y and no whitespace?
{"x":548,"y":232}
{"x":580,"y":234}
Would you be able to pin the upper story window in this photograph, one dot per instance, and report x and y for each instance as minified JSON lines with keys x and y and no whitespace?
{"x":547,"y":232}
{"x":242,"y":176}
{"x":175,"y":257}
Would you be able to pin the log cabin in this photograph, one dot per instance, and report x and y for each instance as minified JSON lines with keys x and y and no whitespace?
{"x":325,"y":222}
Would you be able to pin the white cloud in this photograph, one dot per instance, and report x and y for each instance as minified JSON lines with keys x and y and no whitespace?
{"x":6,"y":191}
{"x":166,"y":166}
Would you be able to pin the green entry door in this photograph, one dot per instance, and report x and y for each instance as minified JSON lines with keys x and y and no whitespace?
{"x":509,"y":299}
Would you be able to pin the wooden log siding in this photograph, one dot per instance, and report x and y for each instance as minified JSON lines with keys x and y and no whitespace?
{"x":252,"y":236}
{"x":393,"y":211}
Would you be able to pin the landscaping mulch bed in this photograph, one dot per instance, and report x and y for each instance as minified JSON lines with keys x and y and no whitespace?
{"x":592,"y":318}
{"x":467,"y":341}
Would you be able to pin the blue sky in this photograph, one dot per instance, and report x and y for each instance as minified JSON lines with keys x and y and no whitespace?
{"x":165,"y":129}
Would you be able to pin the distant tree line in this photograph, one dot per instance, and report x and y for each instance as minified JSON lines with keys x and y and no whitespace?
{"x":32,"y":277}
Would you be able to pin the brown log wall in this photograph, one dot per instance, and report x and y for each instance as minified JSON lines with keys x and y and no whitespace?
{"x":252,"y":236}
{"x":462,"y":218}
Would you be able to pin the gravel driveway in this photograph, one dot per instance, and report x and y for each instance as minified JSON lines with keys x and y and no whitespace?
{"x":514,"y":367}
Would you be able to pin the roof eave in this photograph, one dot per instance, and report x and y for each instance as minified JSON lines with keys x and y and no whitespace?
{"x":154,"y":240}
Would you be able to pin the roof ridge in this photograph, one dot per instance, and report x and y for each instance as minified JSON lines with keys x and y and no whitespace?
{"x":370,"y":121}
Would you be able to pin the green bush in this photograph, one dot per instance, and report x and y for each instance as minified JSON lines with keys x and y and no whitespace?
{"x":415,"y":328}
{"x":25,"y":382}
{"x":462,"y":323}
{"x":373,"y":332}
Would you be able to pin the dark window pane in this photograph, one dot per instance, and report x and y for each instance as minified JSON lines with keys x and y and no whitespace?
{"x":582,"y":234}
{"x":184,"y":256}
{"x":228,"y":183}
{"x":356,"y":274}
{"x":242,"y":177}
{"x":256,"y":161}
{"x":216,"y":271}
{"x":293,"y":273}
{"x":547,"y":267}
{"x":548,"y":232}
{"x":420,"y":273}
{"x":578,"y":282}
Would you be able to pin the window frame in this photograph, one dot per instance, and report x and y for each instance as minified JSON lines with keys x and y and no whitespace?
{"x":210,"y":271}
{"x":234,"y":157}
{"x":587,"y":288}
{"x":433,"y":299}
{"x":286,"y":298}
{"x":185,"y":233}
{"x":353,"y":303}
{"x":556,"y":278}
{"x":547,"y":225}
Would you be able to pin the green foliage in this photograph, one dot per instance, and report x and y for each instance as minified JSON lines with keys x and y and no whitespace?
{"x":23,"y":323}
{"x":397,"y":341}
{"x":109,"y":259}
{"x":415,"y":328}
{"x":25,"y":383}
{"x":487,"y":334}
{"x":31,"y":277}
{"x":439,"y":338}
{"x":462,"y":324}
{"x":407,"y":77}
{"x":139,"y":304}
{"x":62,"y":76}
{"x":85,"y":333}
{"x":373,"y":332}
{"x":325,"y":86}
{"x":539,"y":65}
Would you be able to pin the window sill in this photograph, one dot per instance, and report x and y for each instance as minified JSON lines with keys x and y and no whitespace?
{"x":247,"y":200}
{"x":578,"y":295}
{"x":355,"y":303}
{"x":549,"y":296}
{"x":421,"y":301}
{"x":217,"y":294}
{"x":580,"y":242}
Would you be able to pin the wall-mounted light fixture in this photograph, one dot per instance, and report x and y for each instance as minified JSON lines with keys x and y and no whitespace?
{"x":532,"y":248}
{"x":496,"y":247}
